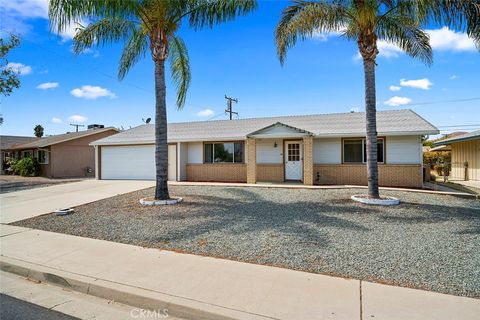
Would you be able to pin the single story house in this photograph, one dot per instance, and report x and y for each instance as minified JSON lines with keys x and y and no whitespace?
{"x":64,"y":155}
{"x":313,"y":149}
{"x":465,"y":150}
{"x":7,"y":143}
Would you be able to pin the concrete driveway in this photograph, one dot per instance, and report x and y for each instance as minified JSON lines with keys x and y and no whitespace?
{"x":20,"y":205}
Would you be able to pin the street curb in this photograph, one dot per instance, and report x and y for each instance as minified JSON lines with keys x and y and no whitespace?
{"x":132,"y":296}
{"x":320,"y":187}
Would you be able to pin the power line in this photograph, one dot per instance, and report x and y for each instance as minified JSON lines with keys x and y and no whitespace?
{"x":460,"y":125}
{"x":87,"y":66}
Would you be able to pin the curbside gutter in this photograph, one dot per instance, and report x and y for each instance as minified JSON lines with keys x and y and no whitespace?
{"x":132,"y":296}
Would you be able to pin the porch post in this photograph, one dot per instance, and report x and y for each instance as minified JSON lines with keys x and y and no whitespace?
{"x":308,"y":160}
{"x":251,"y":161}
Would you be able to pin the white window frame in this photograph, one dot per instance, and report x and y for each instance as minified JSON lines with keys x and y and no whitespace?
{"x":364,"y":142}
{"x":46,"y":156}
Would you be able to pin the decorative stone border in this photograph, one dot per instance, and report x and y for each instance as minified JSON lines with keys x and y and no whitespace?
{"x":63,"y":212}
{"x":147,"y":202}
{"x":383,"y":201}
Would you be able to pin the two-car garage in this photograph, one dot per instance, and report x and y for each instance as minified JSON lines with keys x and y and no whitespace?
{"x":133,"y":162}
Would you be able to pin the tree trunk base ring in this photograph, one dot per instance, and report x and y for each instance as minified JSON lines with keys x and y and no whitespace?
{"x":383,"y":201}
{"x":153,"y":202}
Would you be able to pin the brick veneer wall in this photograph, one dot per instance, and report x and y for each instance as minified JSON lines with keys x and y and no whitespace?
{"x":397,"y":175}
{"x":251,"y":161}
{"x":271,"y":172}
{"x":218,"y":172}
{"x":308,"y":160}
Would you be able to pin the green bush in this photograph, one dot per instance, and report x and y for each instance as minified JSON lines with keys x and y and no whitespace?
{"x":26,"y":167}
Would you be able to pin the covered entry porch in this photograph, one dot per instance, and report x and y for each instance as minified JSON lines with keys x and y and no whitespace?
{"x":280,"y":153}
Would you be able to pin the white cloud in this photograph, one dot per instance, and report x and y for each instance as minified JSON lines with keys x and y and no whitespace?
{"x":423,"y":84}
{"x":442,"y":39}
{"x":15,"y":13}
{"x":395,"y":88}
{"x":453,"y":77}
{"x":398,"y":101}
{"x":19,"y":68}
{"x":71,"y":30}
{"x":56,"y":120}
{"x":15,"y":16}
{"x":47,"y":85}
{"x":92,"y":92}
{"x":77,"y":118}
{"x":205,"y":113}
{"x":388,"y":50}
{"x":445,"y":39}
{"x":89,"y":51}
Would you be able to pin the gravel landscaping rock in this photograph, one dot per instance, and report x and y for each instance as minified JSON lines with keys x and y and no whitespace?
{"x":428,"y":242}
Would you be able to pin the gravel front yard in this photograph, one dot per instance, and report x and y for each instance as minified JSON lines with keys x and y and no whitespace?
{"x":429,"y":242}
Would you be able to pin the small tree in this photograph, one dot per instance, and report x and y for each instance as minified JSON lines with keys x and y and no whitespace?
{"x":8,"y":77}
{"x":38,"y":131}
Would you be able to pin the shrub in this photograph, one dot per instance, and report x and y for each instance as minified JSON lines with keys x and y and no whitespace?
{"x":26,"y":167}
{"x":432,"y":158}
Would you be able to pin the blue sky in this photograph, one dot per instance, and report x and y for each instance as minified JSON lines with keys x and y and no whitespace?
{"x":321,"y":75}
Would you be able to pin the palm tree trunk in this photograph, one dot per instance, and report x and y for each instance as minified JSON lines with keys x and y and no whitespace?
{"x":161,"y":161}
{"x":371,"y":115}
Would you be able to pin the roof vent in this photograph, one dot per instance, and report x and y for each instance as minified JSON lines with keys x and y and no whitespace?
{"x":95,"y":126}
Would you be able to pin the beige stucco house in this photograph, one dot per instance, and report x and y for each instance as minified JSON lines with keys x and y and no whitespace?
{"x":64,"y":155}
{"x":312,"y":149}
{"x":465,"y":150}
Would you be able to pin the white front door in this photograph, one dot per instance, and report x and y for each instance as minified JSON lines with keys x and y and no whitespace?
{"x":293,"y":160}
{"x":172,"y":162}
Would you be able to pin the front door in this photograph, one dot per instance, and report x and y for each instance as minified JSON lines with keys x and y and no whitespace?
{"x":172,"y":162}
{"x":293,"y":160}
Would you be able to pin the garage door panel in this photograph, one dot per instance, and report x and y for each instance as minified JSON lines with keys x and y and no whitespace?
{"x":128,"y":162}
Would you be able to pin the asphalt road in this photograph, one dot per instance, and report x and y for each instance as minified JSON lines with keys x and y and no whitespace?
{"x":13,"y":309}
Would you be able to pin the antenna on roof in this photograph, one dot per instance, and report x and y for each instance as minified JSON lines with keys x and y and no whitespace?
{"x":76,"y":126}
{"x":229,"y":106}
{"x":147,"y":121}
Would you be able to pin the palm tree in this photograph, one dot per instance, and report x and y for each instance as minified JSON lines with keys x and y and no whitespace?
{"x":143,"y":25}
{"x":367,"y":21}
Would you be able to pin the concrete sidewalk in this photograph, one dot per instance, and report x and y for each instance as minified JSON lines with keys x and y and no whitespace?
{"x":20,"y":205}
{"x":195,"y":287}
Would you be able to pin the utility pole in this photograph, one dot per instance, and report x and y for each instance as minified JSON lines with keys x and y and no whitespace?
{"x":229,"y":106}
{"x":76,"y":126}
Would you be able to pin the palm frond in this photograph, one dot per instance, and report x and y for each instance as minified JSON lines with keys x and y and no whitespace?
{"x":461,"y":15}
{"x":406,"y":34}
{"x":63,"y":13}
{"x":209,"y":13}
{"x":180,"y":68}
{"x":304,"y":18}
{"x":135,"y":48}
{"x":104,"y":31}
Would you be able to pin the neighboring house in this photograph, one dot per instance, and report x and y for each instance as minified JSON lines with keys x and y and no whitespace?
{"x":465,"y":151}
{"x":314,"y":149}
{"x":63,"y":155}
{"x":7,"y":143}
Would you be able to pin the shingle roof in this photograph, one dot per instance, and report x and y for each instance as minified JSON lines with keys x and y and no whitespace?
{"x":59,"y":138}
{"x":464,"y":137}
{"x":392,"y":122}
{"x":7,"y":142}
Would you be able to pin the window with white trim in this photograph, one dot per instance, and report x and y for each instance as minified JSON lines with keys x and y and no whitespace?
{"x":223,"y":152}
{"x":355,"y":150}
{"x":42,"y":157}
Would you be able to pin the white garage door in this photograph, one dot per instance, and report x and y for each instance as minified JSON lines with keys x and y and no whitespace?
{"x":133,"y":162}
